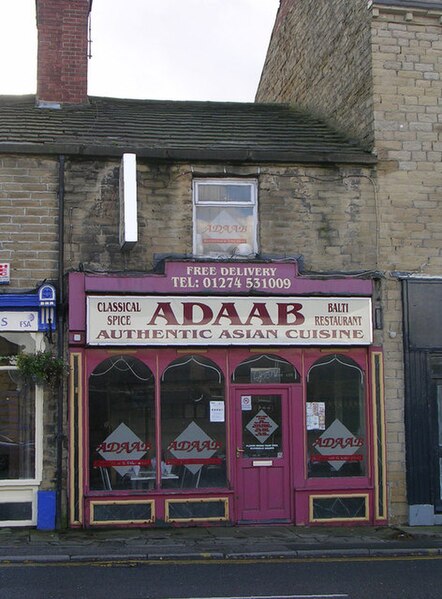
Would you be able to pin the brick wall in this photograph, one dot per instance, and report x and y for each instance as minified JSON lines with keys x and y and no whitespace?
{"x":319,"y":59}
{"x":62,"y":50}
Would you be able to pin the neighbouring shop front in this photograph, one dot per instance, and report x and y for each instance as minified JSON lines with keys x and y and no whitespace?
{"x":423,"y":399}
{"x":233,"y":392}
{"x":27,"y":321}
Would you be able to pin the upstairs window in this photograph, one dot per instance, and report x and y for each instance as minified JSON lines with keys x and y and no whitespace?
{"x":225,"y":218}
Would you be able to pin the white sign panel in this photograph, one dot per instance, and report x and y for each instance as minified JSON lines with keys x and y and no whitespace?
{"x":262,"y":426}
{"x":19,"y":321}
{"x":246,"y":403}
{"x":315,"y":415}
{"x":160,"y":320}
{"x":128,"y":201}
{"x":337,"y":445}
{"x":191,"y":445}
{"x":217,"y":411}
{"x":123,"y":450}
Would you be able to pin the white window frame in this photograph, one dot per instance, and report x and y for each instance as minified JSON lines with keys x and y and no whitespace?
{"x":253,"y":203}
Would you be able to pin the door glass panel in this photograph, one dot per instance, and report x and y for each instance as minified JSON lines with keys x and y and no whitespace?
{"x":121,"y":425}
{"x":261,"y":426}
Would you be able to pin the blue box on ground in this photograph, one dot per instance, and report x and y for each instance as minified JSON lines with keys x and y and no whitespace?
{"x":45,"y":510}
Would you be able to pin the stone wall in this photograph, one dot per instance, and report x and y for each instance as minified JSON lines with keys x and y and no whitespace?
{"x":29,"y":242}
{"x":407,"y":61}
{"x":398,"y":108}
{"x":326,"y":214}
{"x":28,"y":220}
{"x":407,"y":76}
{"x":319,"y":59}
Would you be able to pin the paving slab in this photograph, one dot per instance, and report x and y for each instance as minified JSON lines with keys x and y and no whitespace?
{"x":250,"y":542}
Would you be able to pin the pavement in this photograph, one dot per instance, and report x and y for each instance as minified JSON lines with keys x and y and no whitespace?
{"x":29,"y":545}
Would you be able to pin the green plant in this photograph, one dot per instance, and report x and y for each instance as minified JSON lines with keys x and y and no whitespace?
{"x":41,"y":367}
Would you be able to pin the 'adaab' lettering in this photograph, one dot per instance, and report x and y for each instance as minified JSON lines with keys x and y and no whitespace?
{"x":123,"y":447}
{"x":196,"y":445}
{"x":342,"y":442}
{"x":199,"y":313}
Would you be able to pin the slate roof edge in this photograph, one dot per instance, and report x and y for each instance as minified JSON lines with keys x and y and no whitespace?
{"x":181,"y":154}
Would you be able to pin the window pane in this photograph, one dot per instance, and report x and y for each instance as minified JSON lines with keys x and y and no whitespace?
{"x":262,"y":370}
{"x":121,"y":424}
{"x":224,"y":193}
{"x":17,"y":427}
{"x":17,"y":412}
{"x":220,"y":230}
{"x":193,"y":432}
{"x":336,"y":439}
{"x":12,"y":344}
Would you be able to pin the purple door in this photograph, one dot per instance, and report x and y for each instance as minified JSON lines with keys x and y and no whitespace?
{"x":262,"y":456}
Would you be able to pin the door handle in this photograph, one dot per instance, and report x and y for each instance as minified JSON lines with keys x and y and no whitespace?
{"x":239,"y":451}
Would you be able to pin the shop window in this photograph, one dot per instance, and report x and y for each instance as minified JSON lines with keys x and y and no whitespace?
{"x":265,"y":370}
{"x":121,"y":423}
{"x":193,"y":428}
{"x":335,"y":418}
{"x":225,"y":218}
{"x":17,"y":411}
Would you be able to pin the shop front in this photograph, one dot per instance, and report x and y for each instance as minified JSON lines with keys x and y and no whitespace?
{"x":27,"y":321}
{"x":236,"y":393}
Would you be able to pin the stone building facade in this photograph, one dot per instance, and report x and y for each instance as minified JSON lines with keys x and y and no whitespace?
{"x":29,"y":252}
{"x":377,"y":76}
{"x":225,"y":339}
{"x":33,"y":416}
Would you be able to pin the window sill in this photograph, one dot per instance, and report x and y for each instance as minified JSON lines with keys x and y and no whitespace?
{"x":25,"y":482}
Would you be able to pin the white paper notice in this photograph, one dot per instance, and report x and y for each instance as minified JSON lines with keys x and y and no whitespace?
{"x":316,"y":415}
{"x":246,"y":403}
{"x":217,"y":411}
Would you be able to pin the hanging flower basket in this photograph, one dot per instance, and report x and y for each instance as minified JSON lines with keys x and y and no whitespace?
{"x":41,"y":368}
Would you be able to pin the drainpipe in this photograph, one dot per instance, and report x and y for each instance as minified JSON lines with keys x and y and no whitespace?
{"x":60,"y":339}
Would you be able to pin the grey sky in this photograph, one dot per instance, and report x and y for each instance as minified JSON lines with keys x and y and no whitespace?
{"x":159,"y":49}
